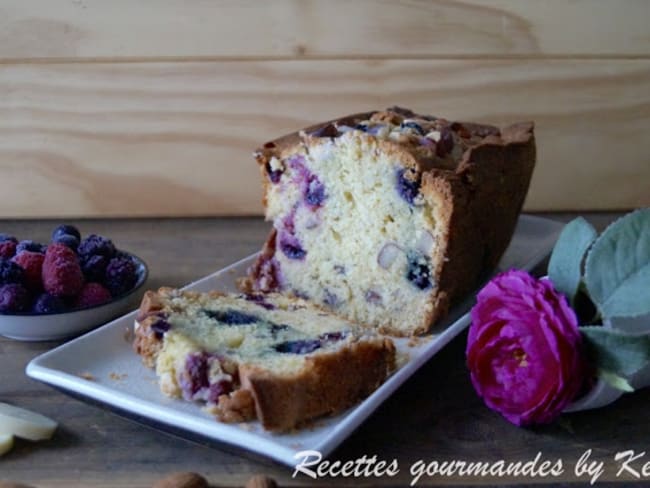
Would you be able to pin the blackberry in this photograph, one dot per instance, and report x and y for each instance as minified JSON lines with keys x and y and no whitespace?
{"x":94,"y":267}
{"x":10,"y":272}
{"x":95,"y":244}
{"x":31,"y":246}
{"x":120,"y":276}
{"x":7,"y":237}
{"x":13,"y":298}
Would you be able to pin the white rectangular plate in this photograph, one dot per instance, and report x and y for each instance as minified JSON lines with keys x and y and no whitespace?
{"x":101,"y":367}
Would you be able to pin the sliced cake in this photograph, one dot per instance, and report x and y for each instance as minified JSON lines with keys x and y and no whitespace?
{"x":274,"y":358}
{"x":386,"y":217}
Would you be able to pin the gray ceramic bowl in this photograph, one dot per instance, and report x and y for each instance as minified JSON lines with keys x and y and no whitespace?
{"x":56,"y":326}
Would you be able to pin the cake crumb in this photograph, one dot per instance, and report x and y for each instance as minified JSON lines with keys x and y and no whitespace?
{"x":128,"y":334}
{"x":416,"y":341}
{"x":401,"y":359}
{"x":117,"y":376}
{"x":87,"y":376}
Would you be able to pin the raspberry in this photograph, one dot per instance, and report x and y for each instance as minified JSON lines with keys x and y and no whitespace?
{"x":92,"y":294}
{"x":32,"y":264}
{"x":64,"y":229}
{"x":62,"y":276}
{"x":30,"y":246}
{"x":7,"y":249}
{"x":13,"y":298}
{"x":94,"y":267}
{"x":10,"y":272}
{"x":94,"y":244}
{"x":120,"y":275}
{"x":46,"y":303}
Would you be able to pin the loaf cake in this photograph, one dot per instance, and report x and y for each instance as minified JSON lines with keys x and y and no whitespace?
{"x":386,"y":217}
{"x":275,"y":358}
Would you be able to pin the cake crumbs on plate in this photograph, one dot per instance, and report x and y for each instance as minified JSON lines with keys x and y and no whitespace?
{"x":118,"y":376}
{"x":87,"y":376}
{"x":401,"y":359}
{"x":415,"y":341}
{"x":128,"y":334}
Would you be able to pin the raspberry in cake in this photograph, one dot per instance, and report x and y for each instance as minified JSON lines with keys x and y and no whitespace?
{"x":386,"y":217}
{"x":274,"y":358}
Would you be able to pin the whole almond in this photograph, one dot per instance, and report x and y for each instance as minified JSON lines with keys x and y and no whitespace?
{"x":261,"y":481}
{"x":10,"y":484}
{"x":182,"y":480}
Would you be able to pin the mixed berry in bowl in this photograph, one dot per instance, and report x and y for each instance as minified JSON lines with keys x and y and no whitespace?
{"x":70,"y":273}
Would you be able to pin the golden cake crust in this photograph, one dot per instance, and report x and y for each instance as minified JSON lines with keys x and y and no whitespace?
{"x":482,"y":193}
{"x":327,"y":384}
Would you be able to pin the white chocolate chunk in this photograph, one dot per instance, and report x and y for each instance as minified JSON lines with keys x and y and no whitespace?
{"x":6,"y":443}
{"x":25,"y":424}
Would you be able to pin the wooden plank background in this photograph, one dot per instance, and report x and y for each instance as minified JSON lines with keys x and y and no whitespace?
{"x":153,"y":108}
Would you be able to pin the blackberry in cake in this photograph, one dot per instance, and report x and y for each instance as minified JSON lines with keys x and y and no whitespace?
{"x":274,"y":358}
{"x":386,"y":217}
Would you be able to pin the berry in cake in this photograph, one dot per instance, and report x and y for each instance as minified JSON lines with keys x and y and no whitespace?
{"x":386,"y":217}
{"x":277,"y":359}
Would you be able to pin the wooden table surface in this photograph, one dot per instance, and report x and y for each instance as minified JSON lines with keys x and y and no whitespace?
{"x":435,"y":416}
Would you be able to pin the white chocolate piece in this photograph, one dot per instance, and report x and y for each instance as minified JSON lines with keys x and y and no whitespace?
{"x":6,"y":443}
{"x":25,"y":424}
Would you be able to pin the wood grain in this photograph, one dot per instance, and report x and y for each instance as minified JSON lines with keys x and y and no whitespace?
{"x":435,"y":416}
{"x":170,"y":139}
{"x":97,"y":29}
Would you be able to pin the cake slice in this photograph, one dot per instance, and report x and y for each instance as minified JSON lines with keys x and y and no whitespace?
{"x":274,"y":358}
{"x":386,"y":217}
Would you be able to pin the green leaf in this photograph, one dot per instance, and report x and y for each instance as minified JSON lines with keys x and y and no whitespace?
{"x":615,"y":381}
{"x":565,"y":265}
{"x":617,"y":270}
{"x":613,"y":351}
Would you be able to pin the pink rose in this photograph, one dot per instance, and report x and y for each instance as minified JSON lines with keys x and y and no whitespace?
{"x":524,"y":349}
